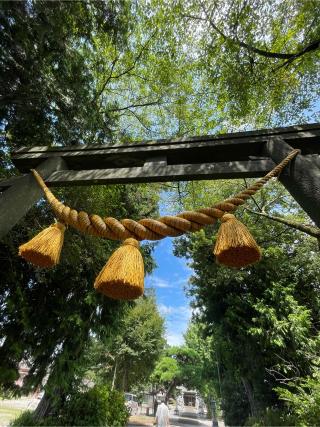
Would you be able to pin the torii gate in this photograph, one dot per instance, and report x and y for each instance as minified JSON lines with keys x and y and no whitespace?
{"x":235,"y":155}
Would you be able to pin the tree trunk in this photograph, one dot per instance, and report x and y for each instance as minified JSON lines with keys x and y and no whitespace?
{"x":169,"y":390}
{"x":249,"y":392}
{"x":114,"y":375}
{"x":155,"y":406}
{"x":125,"y":379}
{"x":44,"y":407}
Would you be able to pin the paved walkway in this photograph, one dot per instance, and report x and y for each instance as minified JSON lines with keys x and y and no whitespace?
{"x":185,"y":419}
{"x":10,"y":409}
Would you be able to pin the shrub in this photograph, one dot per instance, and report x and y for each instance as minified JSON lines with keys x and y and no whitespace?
{"x":98,"y":406}
{"x":303,"y":400}
{"x":27,"y":419}
{"x":24,"y":419}
{"x":271,"y":417}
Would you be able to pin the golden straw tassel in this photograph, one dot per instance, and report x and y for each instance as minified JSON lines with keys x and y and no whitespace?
{"x":123,"y":275}
{"x":45,"y":248}
{"x":235,"y":246}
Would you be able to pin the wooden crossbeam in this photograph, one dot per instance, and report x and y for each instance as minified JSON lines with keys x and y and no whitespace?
{"x":236,"y":155}
{"x":242,"y":146}
{"x":155,"y":172}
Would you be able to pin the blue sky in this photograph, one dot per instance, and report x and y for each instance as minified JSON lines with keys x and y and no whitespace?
{"x":169,"y":280}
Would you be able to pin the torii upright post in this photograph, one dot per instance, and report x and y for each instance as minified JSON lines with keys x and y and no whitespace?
{"x":23,"y":193}
{"x":301,"y":178}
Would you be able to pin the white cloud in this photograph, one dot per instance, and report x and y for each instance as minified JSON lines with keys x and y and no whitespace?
{"x":165,"y":309}
{"x":174,"y":339}
{"x":177,"y":319}
{"x":180,"y":312}
{"x":158,"y":282}
{"x":186,"y":269}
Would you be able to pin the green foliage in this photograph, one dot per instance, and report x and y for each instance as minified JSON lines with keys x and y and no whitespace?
{"x":47,"y":45}
{"x":272,"y":417}
{"x":128,"y":357}
{"x":27,"y":419}
{"x":98,"y":406}
{"x":140,"y":343}
{"x":263,"y":319}
{"x":303,"y":399}
{"x":166,"y":371}
{"x":204,"y":361}
{"x":244,"y":43}
{"x":177,"y":366}
{"x":154,"y":69}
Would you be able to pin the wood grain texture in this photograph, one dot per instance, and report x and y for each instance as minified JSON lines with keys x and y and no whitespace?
{"x":160,"y":172}
{"x":23,"y":194}
{"x":301,"y":177}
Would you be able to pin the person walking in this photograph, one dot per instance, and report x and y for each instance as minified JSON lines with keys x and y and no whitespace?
{"x":162,"y":415}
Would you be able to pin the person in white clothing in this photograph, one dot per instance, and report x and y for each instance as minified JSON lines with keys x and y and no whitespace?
{"x":162,"y":415}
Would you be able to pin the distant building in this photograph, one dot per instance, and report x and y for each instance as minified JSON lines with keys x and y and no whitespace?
{"x":190,"y":400}
{"x":23,"y":372}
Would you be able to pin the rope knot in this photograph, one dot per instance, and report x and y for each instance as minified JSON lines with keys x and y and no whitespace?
{"x":227,"y":217}
{"x":132,"y":242}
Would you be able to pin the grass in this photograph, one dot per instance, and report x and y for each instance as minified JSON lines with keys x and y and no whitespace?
{"x":8,"y":414}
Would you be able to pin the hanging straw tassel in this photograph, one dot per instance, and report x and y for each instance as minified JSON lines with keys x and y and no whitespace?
{"x":123,"y":275}
{"x":235,"y":246}
{"x":45,"y":248}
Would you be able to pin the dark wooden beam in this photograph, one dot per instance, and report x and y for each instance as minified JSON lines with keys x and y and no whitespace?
{"x":23,"y":194}
{"x":236,"y":155}
{"x":193,"y":150}
{"x":301,"y":177}
{"x":160,"y":172}
{"x":290,"y":132}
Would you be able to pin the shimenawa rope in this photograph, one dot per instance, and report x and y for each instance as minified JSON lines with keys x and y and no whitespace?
{"x":123,"y":275}
{"x":154,"y":229}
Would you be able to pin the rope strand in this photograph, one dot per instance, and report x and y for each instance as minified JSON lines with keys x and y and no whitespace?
{"x":154,"y":229}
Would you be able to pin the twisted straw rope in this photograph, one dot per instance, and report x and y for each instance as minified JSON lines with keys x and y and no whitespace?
{"x":154,"y":229}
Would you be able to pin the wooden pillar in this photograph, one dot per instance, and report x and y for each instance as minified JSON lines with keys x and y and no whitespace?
{"x":19,"y":197}
{"x":301,"y":177}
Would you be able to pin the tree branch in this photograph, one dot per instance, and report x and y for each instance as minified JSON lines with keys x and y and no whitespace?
{"x":126,"y":71}
{"x":262,"y":52}
{"x":107,"y":80}
{"x":139,"y":120}
{"x":128,"y":107}
{"x":251,"y":196}
{"x":305,"y":228}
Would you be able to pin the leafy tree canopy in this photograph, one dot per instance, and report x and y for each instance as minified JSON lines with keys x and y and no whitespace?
{"x":263,"y":319}
{"x":92,"y":72}
{"x":127,"y":357}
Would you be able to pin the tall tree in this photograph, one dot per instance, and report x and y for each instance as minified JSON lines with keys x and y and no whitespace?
{"x":255,"y":62}
{"x":128,"y":357}
{"x":47,"y":86}
{"x":177,"y":366}
{"x":48,"y":316}
{"x":262,"y":319}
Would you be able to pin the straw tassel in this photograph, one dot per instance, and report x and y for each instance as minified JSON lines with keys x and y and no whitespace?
{"x":123,"y":275}
{"x":45,"y":248}
{"x":235,"y":246}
